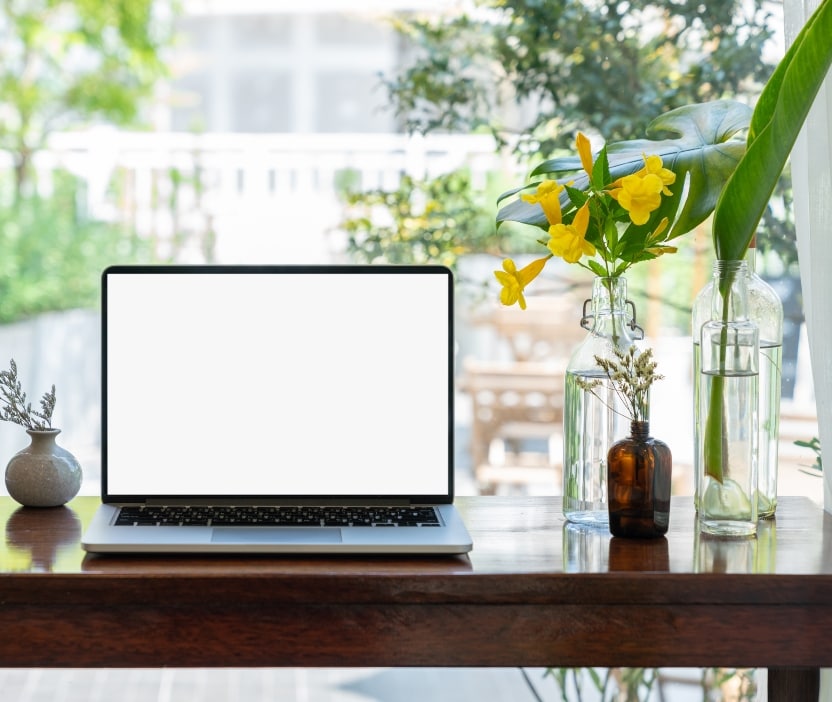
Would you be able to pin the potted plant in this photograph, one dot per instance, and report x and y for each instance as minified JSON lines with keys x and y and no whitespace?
{"x":639,"y":467}
{"x":43,"y":474}
{"x":775,"y":123}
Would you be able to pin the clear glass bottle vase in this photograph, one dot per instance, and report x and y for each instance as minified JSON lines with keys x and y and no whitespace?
{"x":728,"y":403}
{"x":592,"y":421}
{"x":765,"y":309}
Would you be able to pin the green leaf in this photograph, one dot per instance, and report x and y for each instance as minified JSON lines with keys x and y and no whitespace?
{"x":714,"y":453}
{"x":596,"y":268}
{"x":514,"y":191}
{"x":523,"y":213}
{"x":562,"y":164}
{"x":574,"y":197}
{"x":699,"y":143}
{"x":601,"y":170}
{"x":777,"y":120}
{"x":596,"y":678}
{"x":707,"y":150}
{"x":611,"y":235}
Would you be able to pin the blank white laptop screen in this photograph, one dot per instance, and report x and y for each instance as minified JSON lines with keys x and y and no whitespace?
{"x":278,"y":381}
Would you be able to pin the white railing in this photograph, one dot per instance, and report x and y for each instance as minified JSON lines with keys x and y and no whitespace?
{"x":255,"y":193}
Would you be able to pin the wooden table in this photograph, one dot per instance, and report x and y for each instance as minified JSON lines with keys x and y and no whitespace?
{"x":533,"y":592}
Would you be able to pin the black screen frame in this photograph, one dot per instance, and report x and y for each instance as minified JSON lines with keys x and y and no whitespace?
{"x":278,"y":269}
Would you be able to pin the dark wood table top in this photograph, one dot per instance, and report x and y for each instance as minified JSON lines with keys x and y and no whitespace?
{"x":534,"y":591}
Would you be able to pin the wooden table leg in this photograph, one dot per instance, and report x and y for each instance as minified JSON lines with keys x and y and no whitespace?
{"x":793,"y":684}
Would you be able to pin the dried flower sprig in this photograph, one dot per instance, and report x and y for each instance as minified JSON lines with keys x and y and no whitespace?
{"x":631,"y":376}
{"x":17,"y":410}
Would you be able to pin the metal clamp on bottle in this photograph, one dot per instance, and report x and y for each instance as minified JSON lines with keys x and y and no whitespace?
{"x":586,"y":319}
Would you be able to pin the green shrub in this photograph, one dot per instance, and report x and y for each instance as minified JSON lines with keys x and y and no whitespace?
{"x":52,"y":255}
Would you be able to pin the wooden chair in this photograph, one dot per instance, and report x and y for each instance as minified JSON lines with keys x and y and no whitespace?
{"x":517,"y":404}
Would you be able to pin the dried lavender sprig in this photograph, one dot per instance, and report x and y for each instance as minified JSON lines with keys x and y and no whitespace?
{"x":631,"y":377}
{"x":16,"y":409}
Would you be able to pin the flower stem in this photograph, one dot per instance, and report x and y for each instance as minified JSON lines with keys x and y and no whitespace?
{"x":715,"y":454}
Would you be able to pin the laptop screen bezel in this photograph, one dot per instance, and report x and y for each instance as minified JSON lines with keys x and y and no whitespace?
{"x":277,"y":269}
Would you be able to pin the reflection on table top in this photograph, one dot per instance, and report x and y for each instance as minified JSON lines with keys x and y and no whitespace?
{"x":535,"y":591}
{"x":517,"y":537}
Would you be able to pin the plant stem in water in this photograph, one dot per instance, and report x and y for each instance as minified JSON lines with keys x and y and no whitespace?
{"x":715,"y":452}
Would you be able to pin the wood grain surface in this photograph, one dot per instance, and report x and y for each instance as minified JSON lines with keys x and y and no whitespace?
{"x":535,"y":591}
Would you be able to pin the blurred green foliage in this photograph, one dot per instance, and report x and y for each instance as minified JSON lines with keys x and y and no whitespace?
{"x":814,"y":444}
{"x":52,"y":254}
{"x":533,"y":73}
{"x":68,"y":62}
{"x":432,"y":220}
{"x":567,"y":65}
{"x":637,"y":684}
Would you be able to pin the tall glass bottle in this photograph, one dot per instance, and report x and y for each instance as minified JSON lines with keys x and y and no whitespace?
{"x":728,"y":406}
{"x":766,"y":311}
{"x":592,"y":421}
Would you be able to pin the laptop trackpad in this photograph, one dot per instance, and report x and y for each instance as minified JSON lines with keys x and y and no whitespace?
{"x":277,"y":535}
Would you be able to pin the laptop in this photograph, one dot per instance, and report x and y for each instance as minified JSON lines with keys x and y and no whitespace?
{"x":277,"y":409}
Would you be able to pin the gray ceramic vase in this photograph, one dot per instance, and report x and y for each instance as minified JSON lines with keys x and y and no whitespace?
{"x":43,"y":474}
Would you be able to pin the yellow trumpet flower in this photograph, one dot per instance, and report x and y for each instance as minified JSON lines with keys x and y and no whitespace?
{"x":514,"y":282}
{"x":585,"y":152}
{"x":653,"y":164}
{"x":639,"y":195}
{"x":568,"y":240}
{"x":548,"y":197}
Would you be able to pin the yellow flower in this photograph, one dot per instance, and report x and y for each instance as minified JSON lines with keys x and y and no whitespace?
{"x":548,"y":197}
{"x":568,"y":240}
{"x":653,"y":164}
{"x":661,"y":250}
{"x":659,"y":230}
{"x":585,"y":152}
{"x":514,"y":281}
{"x":639,"y":195}
{"x":654,"y":245}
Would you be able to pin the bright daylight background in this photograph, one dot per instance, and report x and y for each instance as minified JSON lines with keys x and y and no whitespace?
{"x":264,"y":119}
{"x":263,"y":131}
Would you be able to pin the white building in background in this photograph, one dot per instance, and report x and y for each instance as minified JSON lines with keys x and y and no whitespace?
{"x":268,"y":106}
{"x":242,"y":68}
{"x":265,"y":71}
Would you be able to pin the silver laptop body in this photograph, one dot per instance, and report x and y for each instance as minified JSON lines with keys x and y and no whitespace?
{"x":282,"y":390}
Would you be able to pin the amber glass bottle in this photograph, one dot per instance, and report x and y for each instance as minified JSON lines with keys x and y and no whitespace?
{"x":639,"y":484}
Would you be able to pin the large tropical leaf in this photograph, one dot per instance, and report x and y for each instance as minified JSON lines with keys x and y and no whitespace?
{"x":700,"y":143}
{"x":777,"y":120}
{"x":778,"y":117}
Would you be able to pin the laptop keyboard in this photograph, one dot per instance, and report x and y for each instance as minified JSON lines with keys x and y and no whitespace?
{"x":277,"y":516}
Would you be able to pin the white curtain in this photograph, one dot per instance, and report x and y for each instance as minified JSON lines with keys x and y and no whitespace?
{"x":812,"y":179}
